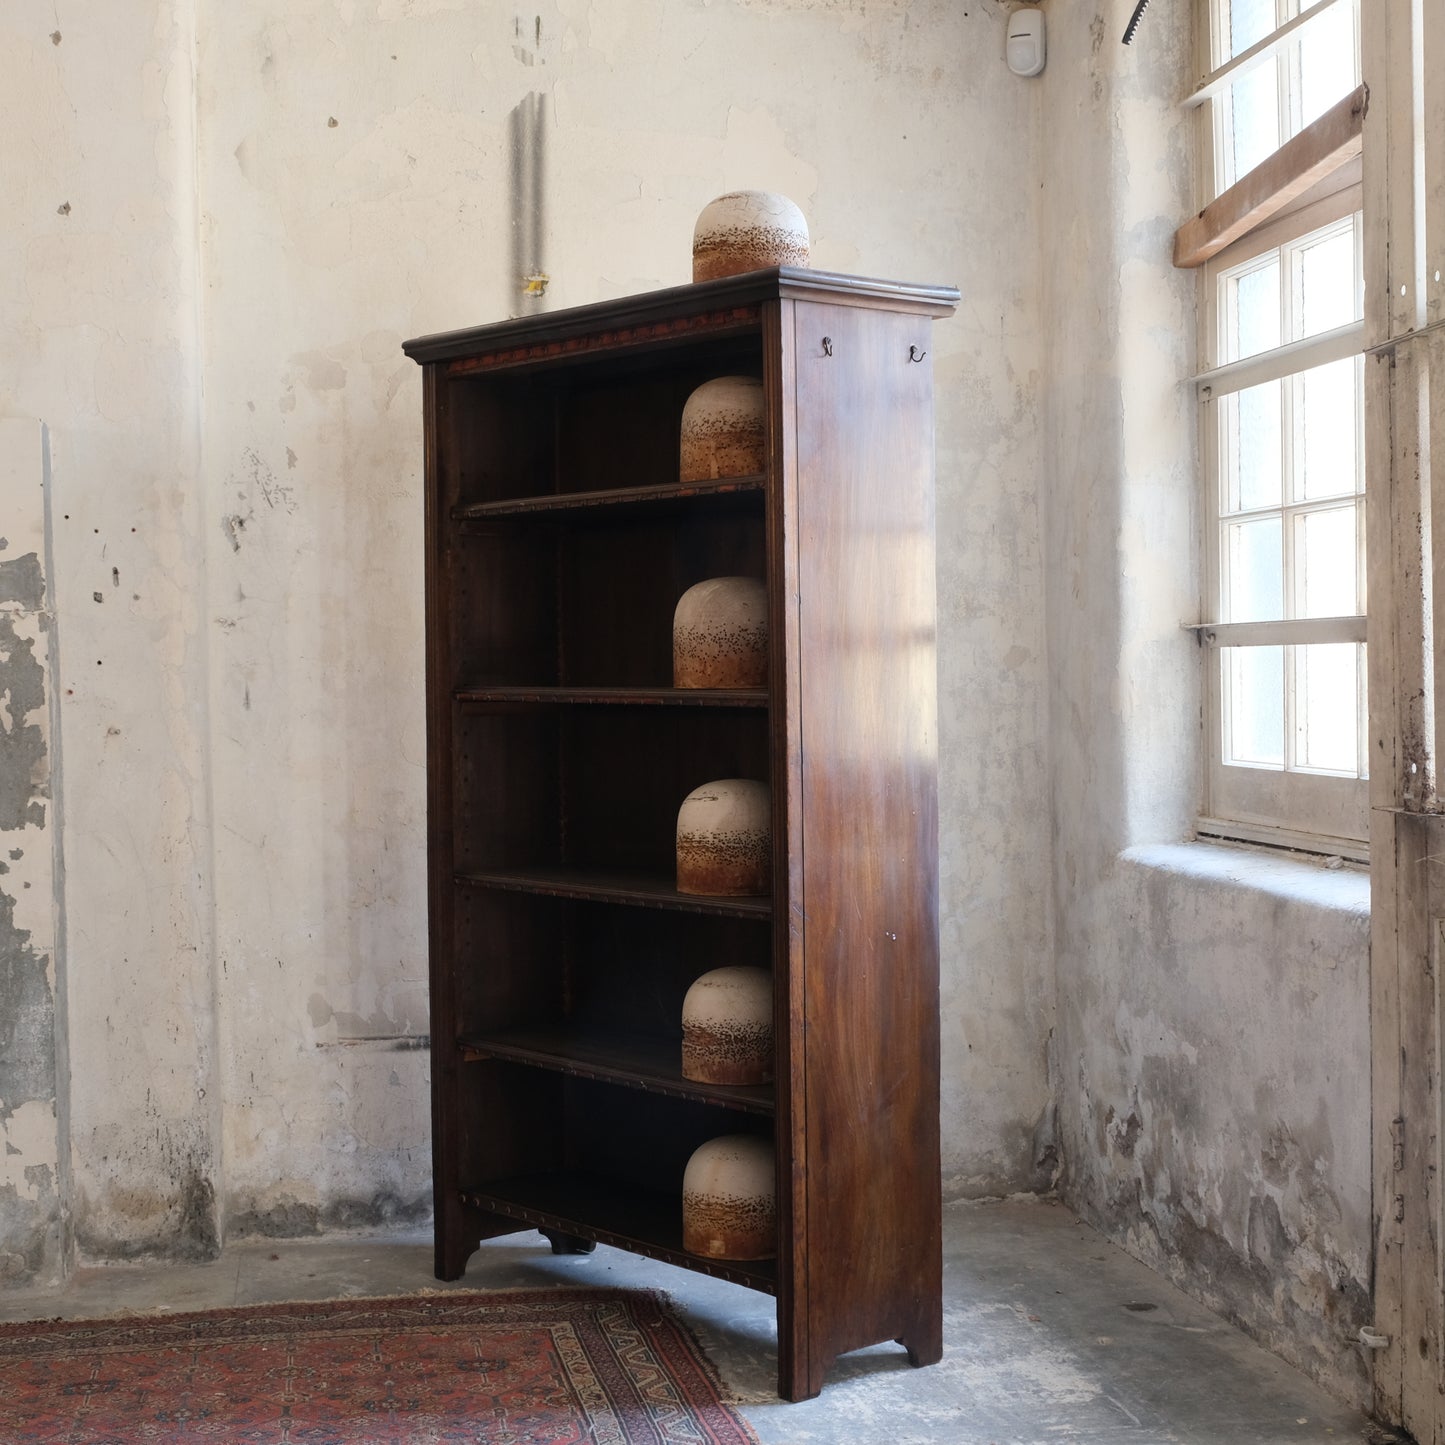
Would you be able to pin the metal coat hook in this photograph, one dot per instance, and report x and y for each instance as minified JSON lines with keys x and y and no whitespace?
{"x":914,"y":354}
{"x":827,"y":346}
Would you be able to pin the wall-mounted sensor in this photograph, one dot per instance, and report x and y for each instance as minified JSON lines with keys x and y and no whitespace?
{"x":1024,"y":48}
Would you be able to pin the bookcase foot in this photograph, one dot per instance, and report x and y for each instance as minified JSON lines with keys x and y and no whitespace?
{"x":925,"y":1347}
{"x":567,"y":1243}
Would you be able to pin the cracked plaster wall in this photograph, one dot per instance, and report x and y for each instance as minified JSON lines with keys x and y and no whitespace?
{"x":227,"y":219}
{"x":355,"y":171}
{"x":1212,"y":1046}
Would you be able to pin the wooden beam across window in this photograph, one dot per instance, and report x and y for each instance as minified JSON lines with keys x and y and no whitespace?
{"x":1321,"y":147}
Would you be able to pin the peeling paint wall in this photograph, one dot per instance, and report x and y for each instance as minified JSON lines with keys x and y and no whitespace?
{"x":1219,"y":1078}
{"x":1212,"y":1049}
{"x":32,"y":1098}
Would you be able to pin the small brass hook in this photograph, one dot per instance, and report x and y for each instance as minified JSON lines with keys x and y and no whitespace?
{"x":914,"y":354}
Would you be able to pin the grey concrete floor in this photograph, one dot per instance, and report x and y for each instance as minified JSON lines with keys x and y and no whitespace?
{"x":1050,"y":1334}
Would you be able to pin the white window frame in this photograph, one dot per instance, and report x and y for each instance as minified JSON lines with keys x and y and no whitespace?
{"x":1293,"y":808}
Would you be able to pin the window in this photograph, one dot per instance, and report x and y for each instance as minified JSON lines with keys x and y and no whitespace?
{"x":1279,"y":66}
{"x":1282,"y":440}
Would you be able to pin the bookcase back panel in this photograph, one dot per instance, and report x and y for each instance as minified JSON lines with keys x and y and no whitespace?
{"x":511,"y":1122}
{"x":627,"y":773}
{"x":619,"y":584}
{"x":520,"y":1121}
{"x":591,"y":787}
{"x":642,"y":1139}
{"x":503,"y":606}
{"x":632,"y":966}
{"x":507,"y":786}
{"x":584,"y":427}
{"x":511,"y":951}
{"x":499,"y":439}
{"x":542,"y":603}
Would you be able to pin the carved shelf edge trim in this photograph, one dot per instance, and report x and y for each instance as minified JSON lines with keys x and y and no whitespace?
{"x":674,"y":313}
{"x":733,"y":318}
{"x":636,"y":893}
{"x":609,"y":497}
{"x":755,"y":699}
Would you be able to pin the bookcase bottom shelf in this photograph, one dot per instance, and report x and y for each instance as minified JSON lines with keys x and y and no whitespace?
{"x":638,"y":1220}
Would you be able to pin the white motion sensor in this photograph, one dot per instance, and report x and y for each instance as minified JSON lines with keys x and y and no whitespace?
{"x":1024,"y":48}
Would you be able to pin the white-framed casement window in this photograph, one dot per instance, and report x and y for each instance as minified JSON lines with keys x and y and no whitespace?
{"x":1281,"y":428}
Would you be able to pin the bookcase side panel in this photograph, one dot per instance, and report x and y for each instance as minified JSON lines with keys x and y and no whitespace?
{"x":866,"y":719}
{"x":459,"y":1228}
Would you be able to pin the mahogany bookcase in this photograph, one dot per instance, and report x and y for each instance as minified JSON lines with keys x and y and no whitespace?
{"x":558,"y":541}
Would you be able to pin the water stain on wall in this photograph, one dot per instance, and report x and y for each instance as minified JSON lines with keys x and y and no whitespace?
{"x":290,"y":1218}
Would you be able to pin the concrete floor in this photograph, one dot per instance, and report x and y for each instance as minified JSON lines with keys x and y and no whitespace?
{"x":1051,"y":1334}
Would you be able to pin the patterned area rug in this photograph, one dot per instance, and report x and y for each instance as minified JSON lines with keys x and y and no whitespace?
{"x":537,"y":1367}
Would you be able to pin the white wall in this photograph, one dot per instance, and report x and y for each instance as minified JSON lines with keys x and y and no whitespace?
{"x":98,"y":309}
{"x":324,"y":245}
{"x":264,"y":201}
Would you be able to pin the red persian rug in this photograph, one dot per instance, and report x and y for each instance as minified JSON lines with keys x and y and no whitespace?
{"x":539,"y":1367}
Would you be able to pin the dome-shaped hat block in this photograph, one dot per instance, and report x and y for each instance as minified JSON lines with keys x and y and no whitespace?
{"x":727,"y":1027}
{"x":720,"y":634}
{"x":723,"y":433}
{"x":729,"y":1208}
{"x":725,"y":839}
{"x":747,"y":231}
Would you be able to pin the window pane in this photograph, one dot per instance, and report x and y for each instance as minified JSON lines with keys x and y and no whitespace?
{"x":1251,"y":442}
{"x":1325,"y":563}
{"x":1254,"y":117}
{"x":1325,"y":284}
{"x":1254,"y":575}
{"x":1327,"y":61}
{"x":1247,"y":22}
{"x":1254,"y":706}
{"x":1326,"y":440}
{"x":1252,"y":311}
{"x":1327,"y":706}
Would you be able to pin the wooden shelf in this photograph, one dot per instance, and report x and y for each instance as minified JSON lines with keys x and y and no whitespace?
{"x":639,"y":1220}
{"x":484,"y":698}
{"x":629,"y":889}
{"x":653,"y":1065}
{"x":648,"y":498}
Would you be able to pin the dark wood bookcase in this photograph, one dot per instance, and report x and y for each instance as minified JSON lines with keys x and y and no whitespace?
{"x":558,"y":541}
